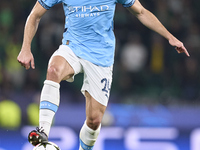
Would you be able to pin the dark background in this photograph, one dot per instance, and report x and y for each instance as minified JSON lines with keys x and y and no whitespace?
{"x":148,"y":72}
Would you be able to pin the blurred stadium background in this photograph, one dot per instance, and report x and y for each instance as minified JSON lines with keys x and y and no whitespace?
{"x":155,"y":96}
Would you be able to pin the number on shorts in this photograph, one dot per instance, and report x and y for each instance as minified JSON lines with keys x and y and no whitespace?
{"x":106,"y":87}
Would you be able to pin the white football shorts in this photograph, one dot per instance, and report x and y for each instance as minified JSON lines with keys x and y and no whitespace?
{"x":97,"y":79}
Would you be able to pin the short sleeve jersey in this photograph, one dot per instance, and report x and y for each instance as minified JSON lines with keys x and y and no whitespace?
{"x":89,"y":28}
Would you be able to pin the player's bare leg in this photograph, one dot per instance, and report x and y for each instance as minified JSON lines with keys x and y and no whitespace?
{"x":58,"y":70}
{"x":91,"y":128}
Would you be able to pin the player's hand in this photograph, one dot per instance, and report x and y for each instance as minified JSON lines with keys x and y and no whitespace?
{"x":180,"y":48}
{"x":25,"y":58}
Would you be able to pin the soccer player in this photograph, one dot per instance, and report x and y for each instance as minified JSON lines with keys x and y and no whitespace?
{"x":88,"y":46}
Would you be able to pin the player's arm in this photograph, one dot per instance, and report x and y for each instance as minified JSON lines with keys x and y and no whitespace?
{"x":25,"y":57}
{"x":151,"y":21}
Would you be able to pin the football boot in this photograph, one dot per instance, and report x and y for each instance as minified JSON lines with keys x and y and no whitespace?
{"x":37,"y":136}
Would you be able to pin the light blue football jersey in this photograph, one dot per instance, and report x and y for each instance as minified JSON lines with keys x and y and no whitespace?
{"x":89,"y":28}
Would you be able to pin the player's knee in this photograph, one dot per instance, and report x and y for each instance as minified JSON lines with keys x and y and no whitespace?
{"x":93,"y":122}
{"x":53,"y":73}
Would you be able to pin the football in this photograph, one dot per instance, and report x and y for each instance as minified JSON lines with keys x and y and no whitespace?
{"x":46,"y":146}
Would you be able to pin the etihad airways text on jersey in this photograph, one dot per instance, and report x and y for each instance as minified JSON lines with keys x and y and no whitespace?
{"x":88,"y":8}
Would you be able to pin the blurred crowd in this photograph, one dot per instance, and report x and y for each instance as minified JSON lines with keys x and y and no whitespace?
{"x":146,"y":70}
